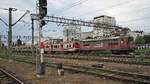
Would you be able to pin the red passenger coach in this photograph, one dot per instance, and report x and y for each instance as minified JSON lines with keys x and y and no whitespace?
{"x":63,"y":47}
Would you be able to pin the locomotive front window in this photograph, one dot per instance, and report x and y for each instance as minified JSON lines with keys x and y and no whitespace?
{"x":130,"y":38}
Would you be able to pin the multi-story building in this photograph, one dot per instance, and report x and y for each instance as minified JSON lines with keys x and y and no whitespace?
{"x":86,"y":35}
{"x":71,"y":33}
{"x":134,"y":34}
{"x":103,"y":31}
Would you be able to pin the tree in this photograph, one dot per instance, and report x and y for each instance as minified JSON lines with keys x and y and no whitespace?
{"x":139,"y":40}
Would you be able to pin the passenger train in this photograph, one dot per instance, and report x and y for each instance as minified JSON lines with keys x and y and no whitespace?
{"x":120,"y":44}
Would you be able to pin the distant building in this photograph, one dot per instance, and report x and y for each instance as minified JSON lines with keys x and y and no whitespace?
{"x":105,"y":20}
{"x":134,"y":34}
{"x":86,"y":35}
{"x":101,"y":31}
{"x":71,"y":33}
{"x":53,"y":41}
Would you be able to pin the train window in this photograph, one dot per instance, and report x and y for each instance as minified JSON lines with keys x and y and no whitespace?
{"x":61,"y":45}
{"x":55,"y":46}
{"x":69,"y":45}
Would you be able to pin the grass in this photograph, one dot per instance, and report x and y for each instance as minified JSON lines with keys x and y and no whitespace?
{"x":141,"y":51}
{"x":140,"y":54}
{"x":100,"y":53}
{"x":3,"y":53}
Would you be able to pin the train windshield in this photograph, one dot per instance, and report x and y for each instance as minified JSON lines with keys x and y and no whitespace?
{"x":130,"y":39}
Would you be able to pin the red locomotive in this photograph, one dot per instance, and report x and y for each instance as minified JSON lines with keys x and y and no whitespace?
{"x":120,"y":44}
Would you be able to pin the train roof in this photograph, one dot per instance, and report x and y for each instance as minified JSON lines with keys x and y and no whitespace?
{"x":109,"y":38}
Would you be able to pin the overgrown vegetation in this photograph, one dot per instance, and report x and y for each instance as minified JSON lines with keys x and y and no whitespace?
{"x":140,"y":53}
{"x":139,"y":40}
{"x":100,"y":53}
{"x":3,"y":53}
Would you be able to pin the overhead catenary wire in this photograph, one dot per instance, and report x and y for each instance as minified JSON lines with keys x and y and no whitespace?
{"x":20,"y":18}
{"x":134,"y":20}
{"x":103,"y":9}
{"x":134,"y":11}
{"x":3,"y":8}
{"x":21,"y":10}
{"x":3,"y":21}
{"x":27,"y":11}
{"x":73,"y":5}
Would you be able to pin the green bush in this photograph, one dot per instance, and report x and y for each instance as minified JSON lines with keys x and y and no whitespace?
{"x":140,"y":54}
{"x":3,"y":53}
{"x":100,"y":53}
{"x":141,"y":51}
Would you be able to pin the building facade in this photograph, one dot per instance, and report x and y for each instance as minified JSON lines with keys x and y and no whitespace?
{"x":134,"y":34}
{"x":86,"y":35}
{"x":71,"y":33}
{"x":101,"y":31}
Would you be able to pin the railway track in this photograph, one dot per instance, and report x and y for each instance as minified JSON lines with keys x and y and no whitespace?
{"x":106,"y":59}
{"x":7,"y":78}
{"x":111,"y":74}
{"x":115,"y":59}
{"x":113,"y":55}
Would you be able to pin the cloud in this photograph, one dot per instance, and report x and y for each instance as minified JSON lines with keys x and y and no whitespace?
{"x":128,"y":10}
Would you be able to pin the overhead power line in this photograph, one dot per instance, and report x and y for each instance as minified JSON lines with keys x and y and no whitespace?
{"x":3,"y":8}
{"x":73,"y":5}
{"x":3,"y":21}
{"x":20,"y":18}
{"x":14,"y":9}
{"x":134,"y":20}
{"x":112,"y":6}
{"x":134,"y":11}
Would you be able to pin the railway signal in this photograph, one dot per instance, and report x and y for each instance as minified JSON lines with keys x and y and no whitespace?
{"x":42,"y":8}
{"x":42,"y":14}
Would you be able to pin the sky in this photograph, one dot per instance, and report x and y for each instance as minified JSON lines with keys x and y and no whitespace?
{"x":128,"y":13}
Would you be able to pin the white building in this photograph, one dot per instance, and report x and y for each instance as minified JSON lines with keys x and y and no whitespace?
{"x":71,"y":33}
{"x":85,"y":35}
{"x":134,"y":34}
{"x":101,"y":31}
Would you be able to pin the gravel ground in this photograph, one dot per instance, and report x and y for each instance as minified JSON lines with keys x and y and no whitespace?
{"x":141,"y":69}
{"x":27,"y":73}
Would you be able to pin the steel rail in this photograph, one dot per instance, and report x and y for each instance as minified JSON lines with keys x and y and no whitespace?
{"x":11,"y":76}
{"x":124,"y":76}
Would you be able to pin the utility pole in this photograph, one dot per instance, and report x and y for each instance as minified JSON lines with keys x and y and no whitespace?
{"x":67,"y":35}
{"x":10,"y":34}
{"x":33,"y":38}
{"x":0,"y":42}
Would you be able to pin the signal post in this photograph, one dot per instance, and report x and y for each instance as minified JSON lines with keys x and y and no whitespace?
{"x":42,"y":13}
